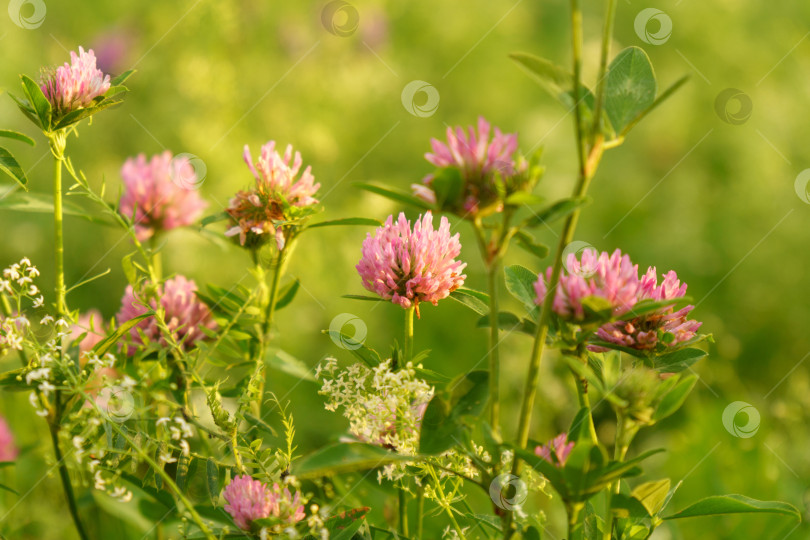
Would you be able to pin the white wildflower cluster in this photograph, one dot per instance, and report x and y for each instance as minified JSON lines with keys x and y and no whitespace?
{"x":383,"y":406}
{"x":177,"y":430}
{"x":17,"y":284}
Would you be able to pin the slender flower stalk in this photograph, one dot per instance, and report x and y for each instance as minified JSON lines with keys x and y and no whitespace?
{"x":587,"y":164}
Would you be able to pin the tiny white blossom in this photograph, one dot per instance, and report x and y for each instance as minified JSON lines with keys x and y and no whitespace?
{"x":39,"y":301}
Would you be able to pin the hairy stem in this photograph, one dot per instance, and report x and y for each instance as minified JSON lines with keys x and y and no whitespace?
{"x":59,"y":248}
{"x":494,"y":355}
{"x":408,"y":339}
{"x":65,"y":476}
{"x":403,"y":512}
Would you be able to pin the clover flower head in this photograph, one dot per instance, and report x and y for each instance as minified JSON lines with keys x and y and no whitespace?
{"x":409,"y":266}
{"x":185,"y":314}
{"x":615,"y":279}
{"x":8,"y":450}
{"x":75,"y":85}
{"x":160,"y":193}
{"x":612,"y":277}
{"x":279,"y":196}
{"x":646,"y":332}
{"x":248,"y":500}
{"x":478,"y":158}
{"x":556,"y":451}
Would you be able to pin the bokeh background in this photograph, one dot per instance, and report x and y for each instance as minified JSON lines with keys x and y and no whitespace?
{"x":703,"y":187}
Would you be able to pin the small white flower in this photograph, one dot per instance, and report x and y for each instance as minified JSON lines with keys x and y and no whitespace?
{"x":163,"y":420}
{"x":63,"y":323}
{"x":46,"y":388}
{"x":33,"y":290}
{"x":39,"y":301}
{"x":100,"y":483}
{"x":33,"y":272}
{"x":184,"y":447}
{"x":47,"y":319}
{"x":25,"y":262}
{"x":37,"y":375}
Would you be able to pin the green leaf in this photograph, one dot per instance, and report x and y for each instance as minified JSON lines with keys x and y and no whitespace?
{"x":364,"y":297}
{"x":446,"y":413}
{"x":673,"y":399}
{"x":652,"y":495}
{"x":212,"y":479}
{"x":106,"y":344}
{"x":367,"y":355}
{"x":475,"y":300}
{"x":129,"y":269}
{"x":627,"y":506}
{"x":448,"y":186}
{"x":660,"y":99}
{"x":9,"y":489}
{"x":43,"y":203}
{"x":86,"y":112}
{"x":8,"y":134}
{"x":38,"y":101}
{"x":347,"y":221}
{"x":213,"y":218}
{"x":287,"y":363}
{"x":679,"y":360}
{"x":346,"y":521}
{"x":119,"y":80}
{"x":339,"y":458}
{"x":735,"y":504}
{"x":521,"y":198}
{"x":558,"y":210}
{"x":520,"y":284}
{"x":397,"y":196}
{"x":287,"y":293}
{"x":182,"y":472}
{"x":527,"y":242}
{"x":509,"y":322}
{"x":10,"y":166}
{"x":552,"y":78}
{"x":630,"y":87}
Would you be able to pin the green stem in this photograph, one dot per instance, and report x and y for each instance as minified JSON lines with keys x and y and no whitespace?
{"x":445,"y":504}
{"x":420,"y":510}
{"x":403,"y":512}
{"x":585,"y":401}
{"x":408,"y":339}
{"x":269,"y":314}
{"x":574,"y":525}
{"x":59,"y":248}
{"x":156,"y":257}
{"x":494,"y":355}
{"x":599,"y":99}
{"x":65,"y":476}
{"x":619,"y":452}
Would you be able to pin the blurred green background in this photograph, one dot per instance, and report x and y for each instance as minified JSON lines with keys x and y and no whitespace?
{"x":688,"y":191}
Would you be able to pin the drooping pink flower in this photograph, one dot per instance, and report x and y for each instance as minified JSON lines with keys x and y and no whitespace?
{"x":89,"y":323}
{"x":644,"y":332}
{"x":412,"y":266}
{"x":478,"y":159}
{"x":8,"y":450}
{"x":160,"y":194}
{"x":75,"y":85}
{"x":248,"y":500}
{"x":556,"y":451}
{"x":185,"y":314}
{"x":259,"y":213}
{"x":614,"y":278}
